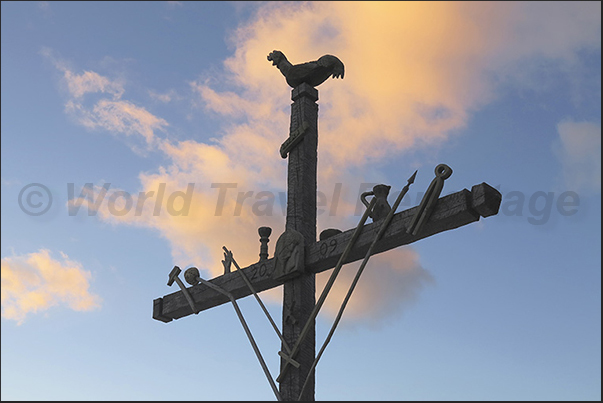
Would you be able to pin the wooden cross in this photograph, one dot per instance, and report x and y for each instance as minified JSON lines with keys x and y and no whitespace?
{"x":449,"y":212}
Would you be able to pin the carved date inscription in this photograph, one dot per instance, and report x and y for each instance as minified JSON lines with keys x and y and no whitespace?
{"x":258,"y":271}
{"x":327,"y":247}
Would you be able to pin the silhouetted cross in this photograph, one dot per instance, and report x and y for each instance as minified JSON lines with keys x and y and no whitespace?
{"x":297,"y":273}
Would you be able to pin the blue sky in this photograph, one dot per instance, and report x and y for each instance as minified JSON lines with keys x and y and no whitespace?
{"x":135,"y":96}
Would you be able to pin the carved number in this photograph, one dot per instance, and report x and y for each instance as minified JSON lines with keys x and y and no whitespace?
{"x":323,"y":249}
{"x":254,"y":273}
{"x":328,"y":247}
{"x":262,"y":271}
{"x":333,"y":245}
{"x":269,"y":272}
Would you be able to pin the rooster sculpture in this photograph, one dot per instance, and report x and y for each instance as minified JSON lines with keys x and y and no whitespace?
{"x":312,"y":73}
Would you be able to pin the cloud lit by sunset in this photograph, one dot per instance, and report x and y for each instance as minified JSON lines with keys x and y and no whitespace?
{"x":152,"y":133}
{"x":36,"y":282}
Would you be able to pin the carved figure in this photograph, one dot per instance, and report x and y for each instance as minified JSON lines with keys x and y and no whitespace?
{"x":313,"y":73}
{"x":289,"y":255}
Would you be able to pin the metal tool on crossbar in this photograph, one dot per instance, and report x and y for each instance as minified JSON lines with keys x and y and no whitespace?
{"x":430,"y":199}
{"x":382,"y":229}
{"x":290,"y":359}
{"x":173,"y":276}
{"x":257,"y":297}
{"x":193,"y":273}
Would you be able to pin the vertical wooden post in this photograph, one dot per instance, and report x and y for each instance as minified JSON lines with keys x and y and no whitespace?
{"x":299,"y":293}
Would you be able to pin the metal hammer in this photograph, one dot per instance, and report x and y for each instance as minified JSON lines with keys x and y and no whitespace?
{"x":174,"y":277}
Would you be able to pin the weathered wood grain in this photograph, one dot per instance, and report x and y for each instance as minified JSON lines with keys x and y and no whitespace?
{"x":299,"y":293}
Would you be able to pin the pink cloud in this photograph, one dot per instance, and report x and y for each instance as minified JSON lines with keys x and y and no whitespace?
{"x":36,"y":282}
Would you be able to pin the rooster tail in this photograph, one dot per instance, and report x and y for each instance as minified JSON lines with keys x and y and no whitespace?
{"x":333,"y":63}
{"x":338,"y":70}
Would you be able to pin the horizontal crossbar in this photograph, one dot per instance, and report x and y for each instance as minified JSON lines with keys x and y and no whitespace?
{"x":452,"y":211}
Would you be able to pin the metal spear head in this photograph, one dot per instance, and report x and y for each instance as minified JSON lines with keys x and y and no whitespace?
{"x":411,"y":180}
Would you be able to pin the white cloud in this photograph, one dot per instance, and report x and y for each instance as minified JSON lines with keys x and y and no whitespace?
{"x":390,"y":283}
{"x":165,"y":97}
{"x":87,"y":82}
{"x":118,"y":117}
{"x":415,"y":71}
{"x":36,"y":282}
{"x":91,"y":82}
{"x":114,"y":115}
